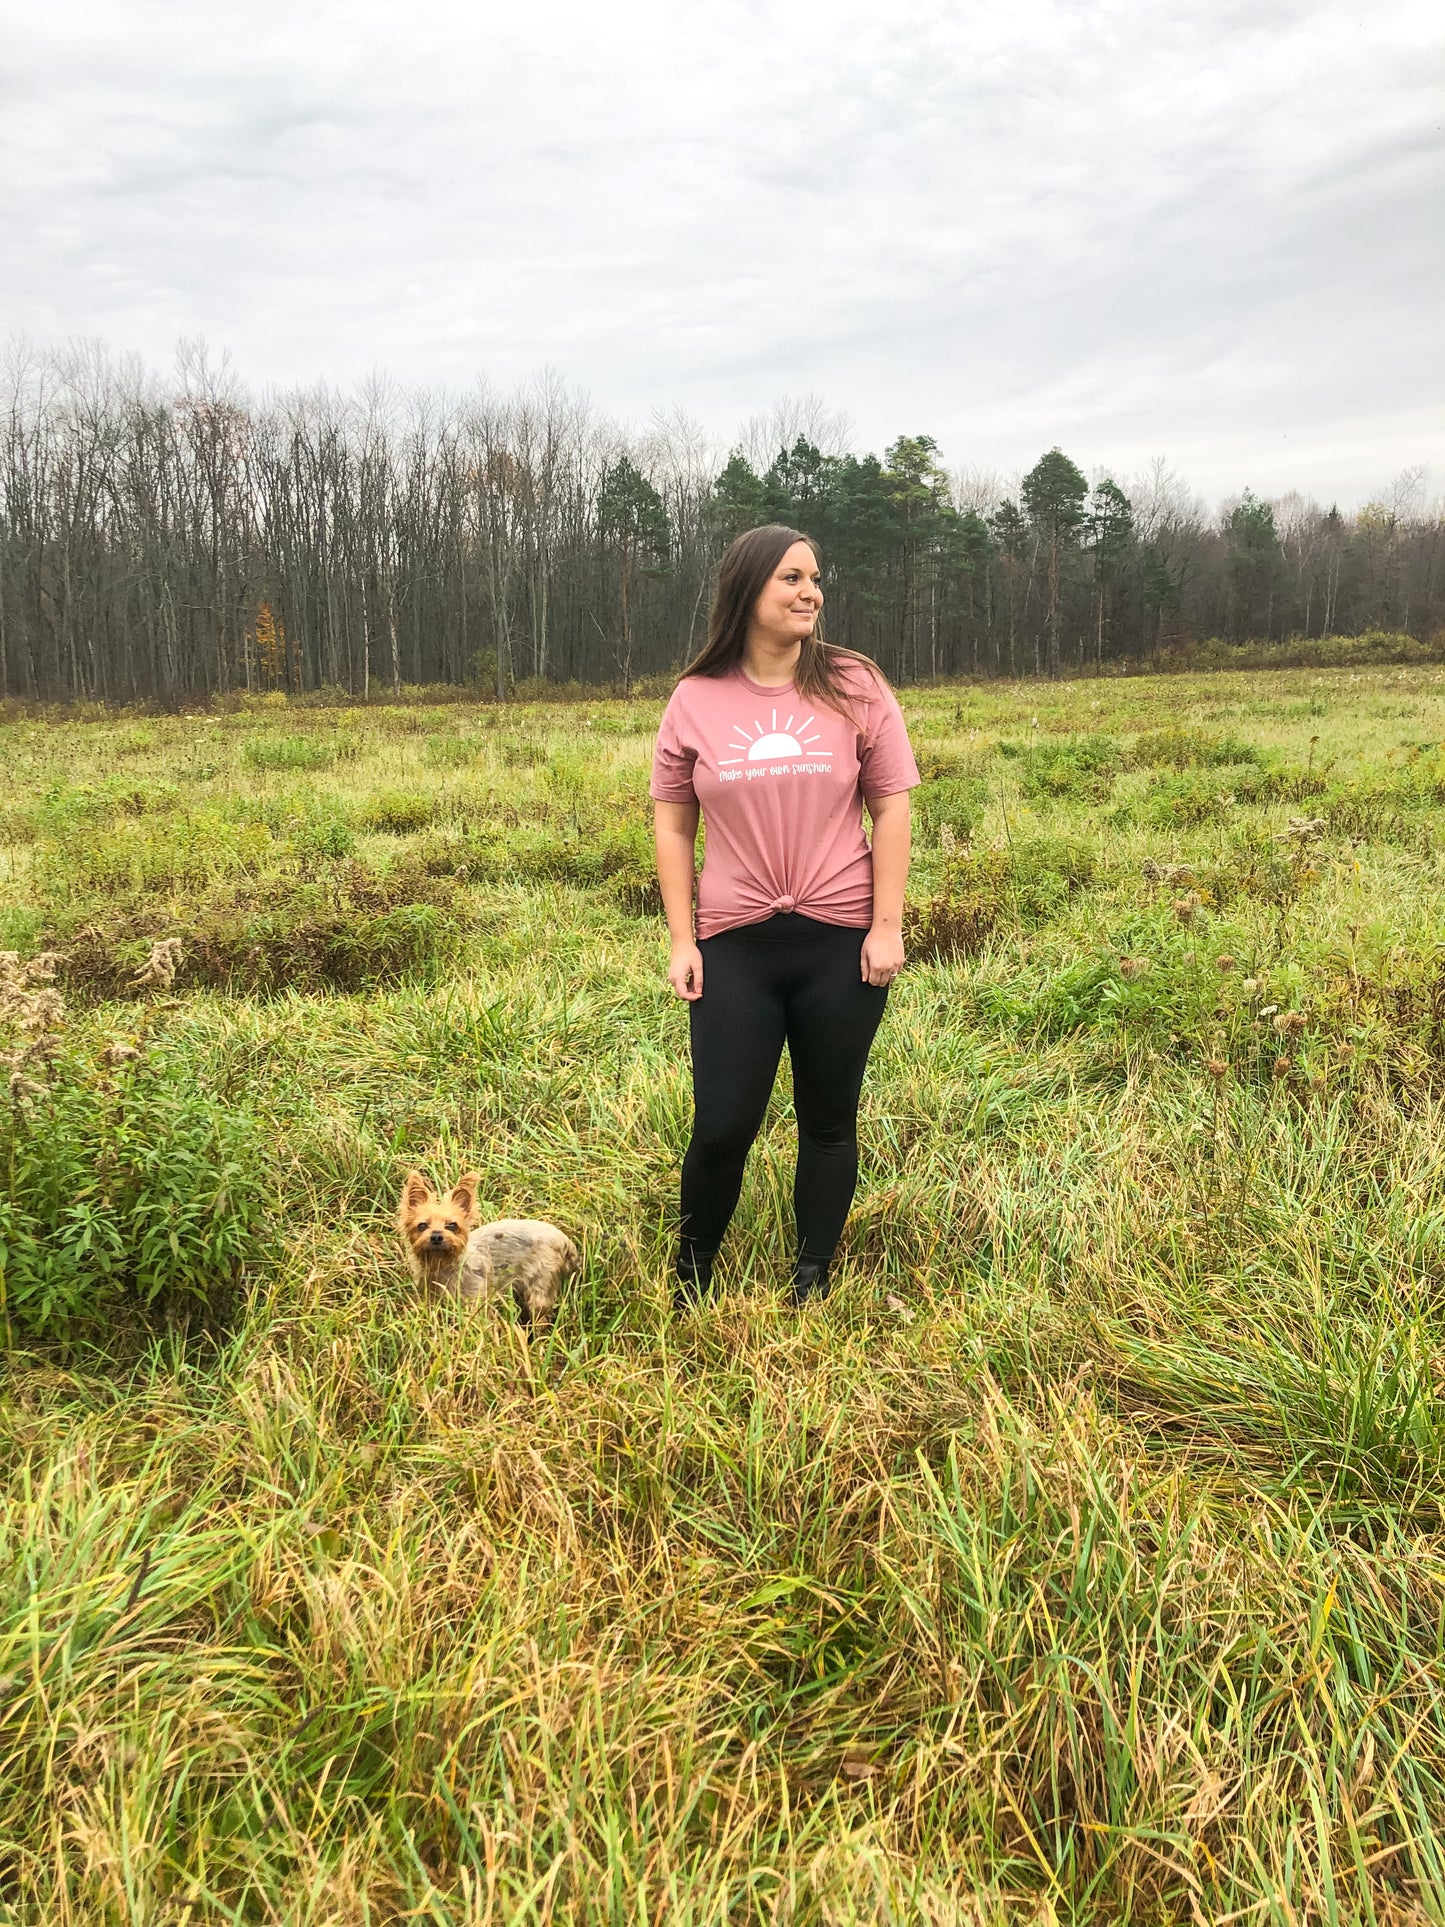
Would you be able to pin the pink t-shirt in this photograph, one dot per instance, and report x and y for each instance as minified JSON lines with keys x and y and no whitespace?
{"x":781,"y":783}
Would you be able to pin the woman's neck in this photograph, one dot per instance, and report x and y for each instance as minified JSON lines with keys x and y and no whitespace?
{"x":773,"y":664}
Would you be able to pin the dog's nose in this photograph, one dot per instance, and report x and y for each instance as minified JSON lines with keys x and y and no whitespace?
{"x":436,"y":1238}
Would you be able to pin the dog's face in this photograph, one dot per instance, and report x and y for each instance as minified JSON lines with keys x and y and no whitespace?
{"x":436,"y":1228}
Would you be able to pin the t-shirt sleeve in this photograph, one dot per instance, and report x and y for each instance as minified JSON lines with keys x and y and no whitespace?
{"x":672,"y":760}
{"x":885,"y":756}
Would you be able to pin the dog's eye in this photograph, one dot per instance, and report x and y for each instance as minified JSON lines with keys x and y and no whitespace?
{"x":452,"y":1227}
{"x":422,"y":1225}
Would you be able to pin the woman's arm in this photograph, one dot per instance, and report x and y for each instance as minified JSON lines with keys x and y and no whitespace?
{"x":882,"y":957}
{"x":675,"y":830}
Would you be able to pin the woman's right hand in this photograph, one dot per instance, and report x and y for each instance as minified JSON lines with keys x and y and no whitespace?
{"x":676,"y":828}
{"x":684,"y":969}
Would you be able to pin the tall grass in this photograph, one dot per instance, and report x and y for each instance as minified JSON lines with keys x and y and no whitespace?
{"x":1079,"y":1560}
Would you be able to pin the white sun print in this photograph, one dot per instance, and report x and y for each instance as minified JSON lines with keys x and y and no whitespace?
{"x":773,"y":745}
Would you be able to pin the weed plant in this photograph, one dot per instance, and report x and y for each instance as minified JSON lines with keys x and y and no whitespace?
{"x":1081,"y":1559}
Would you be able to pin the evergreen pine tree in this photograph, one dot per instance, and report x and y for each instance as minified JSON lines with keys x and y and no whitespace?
{"x":1053,"y":494}
{"x":1110,"y":537}
{"x":633,"y":522}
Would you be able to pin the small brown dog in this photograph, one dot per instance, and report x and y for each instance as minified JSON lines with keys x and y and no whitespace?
{"x":447,"y":1249}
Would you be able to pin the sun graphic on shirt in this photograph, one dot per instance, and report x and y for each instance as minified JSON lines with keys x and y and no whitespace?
{"x":773,"y":745}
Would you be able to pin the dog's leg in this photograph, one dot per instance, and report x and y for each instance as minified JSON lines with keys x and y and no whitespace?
{"x":524,"y":1310}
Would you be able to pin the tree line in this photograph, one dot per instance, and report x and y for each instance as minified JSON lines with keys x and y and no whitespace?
{"x":169,"y":541}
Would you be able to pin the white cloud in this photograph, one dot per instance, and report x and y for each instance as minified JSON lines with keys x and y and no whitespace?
{"x":1199,"y":228}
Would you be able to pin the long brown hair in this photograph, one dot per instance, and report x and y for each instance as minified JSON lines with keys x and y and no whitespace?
{"x":742,"y":575}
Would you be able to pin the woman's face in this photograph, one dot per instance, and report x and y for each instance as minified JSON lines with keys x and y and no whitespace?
{"x":792,"y":596}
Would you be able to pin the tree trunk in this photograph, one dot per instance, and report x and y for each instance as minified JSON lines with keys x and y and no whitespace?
{"x":365,"y":645}
{"x":395,"y":645}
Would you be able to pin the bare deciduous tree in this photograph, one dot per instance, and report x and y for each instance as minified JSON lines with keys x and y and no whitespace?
{"x":165,"y":540}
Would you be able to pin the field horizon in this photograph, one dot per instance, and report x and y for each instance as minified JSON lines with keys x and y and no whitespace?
{"x":1081,"y":1559}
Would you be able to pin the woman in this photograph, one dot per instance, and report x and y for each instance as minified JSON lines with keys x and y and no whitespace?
{"x":778,"y":741}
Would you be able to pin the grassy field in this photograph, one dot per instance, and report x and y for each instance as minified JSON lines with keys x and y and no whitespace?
{"x":1081,"y":1559}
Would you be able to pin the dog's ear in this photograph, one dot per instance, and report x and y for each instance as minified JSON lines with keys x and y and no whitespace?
{"x":415,"y":1192}
{"x":464,"y":1195}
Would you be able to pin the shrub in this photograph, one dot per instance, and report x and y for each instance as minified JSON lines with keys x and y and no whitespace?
{"x":68,"y":807}
{"x":390,"y":721}
{"x":296,"y":752}
{"x":1197,"y":796}
{"x":1183,"y":748}
{"x":617,"y":858}
{"x":1291,"y":783}
{"x":1150,"y":980}
{"x":1073,"y":998}
{"x":1043,"y":873}
{"x":412,"y":942}
{"x":355,"y":928}
{"x":327,"y":695}
{"x":316,"y":827}
{"x":139,"y":741}
{"x":524,"y":752}
{"x":449,"y":752}
{"x":1412,"y":1002}
{"x":17,"y":825}
{"x":21,"y":925}
{"x":449,"y":853}
{"x":639,"y":896}
{"x":1257,"y":866}
{"x":123,"y":1178}
{"x":628,"y":723}
{"x":141,"y":1187}
{"x":138,"y":855}
{"x":1078,"y":767}
{"x":322,"y":838}
{"x":1372,"y":810}
{"x":582,"y":859}
{"x":934,"y":763}
{"x":955,"y":803}
{"x":569,"y":777}
{"x":1300,"y":652}
{"x":397,"y":812}
{"x":1072,"y":862}
{"x":959,"y":920}
{"x":991,"y":889}
{"x":65,"y":807}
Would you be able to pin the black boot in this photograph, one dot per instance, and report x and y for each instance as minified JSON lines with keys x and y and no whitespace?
{"x":810,"y":1279}
{"x":694,"y":1276}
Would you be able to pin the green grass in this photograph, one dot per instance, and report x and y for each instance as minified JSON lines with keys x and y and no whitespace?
{"x":1081,"y":1559}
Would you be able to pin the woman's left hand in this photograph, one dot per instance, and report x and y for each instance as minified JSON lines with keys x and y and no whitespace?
{"x":882,"y":956}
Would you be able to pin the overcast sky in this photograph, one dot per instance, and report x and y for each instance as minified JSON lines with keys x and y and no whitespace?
{"x":1203,"y":228}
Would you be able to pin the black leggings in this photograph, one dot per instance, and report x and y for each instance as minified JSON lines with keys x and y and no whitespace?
{"x":789,"y":978}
